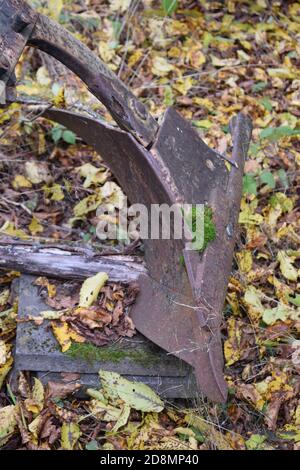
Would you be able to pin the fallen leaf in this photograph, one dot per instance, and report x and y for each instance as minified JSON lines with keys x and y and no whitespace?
{"x":161,"y":67}
{"x":35,"y":403}
{"x":70,"y":433}
{"x":44,"y":282}
{"x":135,"y":394}
{"x":7,"y":423}
{"x":92,"y":174}
{"x":286,"y":266}
{"x":64,"y":335}
{"x":61,"y":390}
{"x":245,"y":260}
{"x":37,"y":172}
{"x":91,"y":288}
{"x":35,"y":227}
{"x":20,"y":182}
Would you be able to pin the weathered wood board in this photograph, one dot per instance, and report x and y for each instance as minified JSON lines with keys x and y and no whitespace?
{"x":137,"y":358}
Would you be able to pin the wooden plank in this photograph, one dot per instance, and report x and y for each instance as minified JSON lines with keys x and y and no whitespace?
{"x":138,"y":358}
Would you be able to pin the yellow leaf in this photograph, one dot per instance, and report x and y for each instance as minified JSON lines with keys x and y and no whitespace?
{"x":70,"y":433}
{"x":247,"y":217}
{"x":59,"y":99}
{"x":34,"y":89}
{"x":42,"y":76}
{"x":203,"y":123}
{"x":44,"y":282}
{"x":54,"y":192}
{"x":197,"y":58}
{"x":92,"y":174}
{"x":4,"y":370}
{"x":38,"y":393}
{"x":9,"y":229}
{"x":272,"y":315}
{"x":61,"y":333}
{"x":245,"y":260}
{"x":4,"y":296}
{"x":34,"y":426}
{"x":64,"y":335}
{"x":184,"y":85}
{"x":35,"y":404}
{"x":35,"y":226}
{"x":113,"y":194}
{"x":42,"y":143}
{"x":7,"y":423}
{"x":21,"y":182}
{"x":223,"y":62}
{"x":135,"y":57}
{"x":252,"y":299}
{"x":3,"y":352}
{"x":103,"y":410}
{"x":233,"y":301}
{"x":88,"y":204}
{"x":286,"y":267}
{"x":210,"y":431}
{"x":54,"y":8}
{"x":91,"y":288}
{"x":161,"y":67}
{"x":205,"y":102}
{"x":107,"y":53}
{"x":232,"y":344}
{"x":282,"y":72}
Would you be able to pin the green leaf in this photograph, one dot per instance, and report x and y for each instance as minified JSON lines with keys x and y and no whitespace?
{"x":255,"y":442}
{"x":294,"y":300}
{"x":207,"y":39}
{"x":56,"y":133}
{"x":249,"y":184}
{"x":203,"y":123}
{"x":168,"y":96}
{"x":69,"y":137}
{"x":283,"y":201}
{"x":267,"y":178}
{"x":92,"y":445}
{"x":254,"y":149}
{"x":283,"y":178}
{"x":266,"y":102}
{"x":259,"y":86}
{"x":276,"y":133}
{"x":169,"y":6}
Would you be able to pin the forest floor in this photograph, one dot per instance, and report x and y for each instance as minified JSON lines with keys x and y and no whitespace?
{"x":210,"y":60}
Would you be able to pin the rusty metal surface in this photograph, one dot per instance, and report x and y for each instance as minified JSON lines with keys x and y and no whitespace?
{"x":178,"y":309}
{"x":17,"y":21}
{"x":180,"y":306}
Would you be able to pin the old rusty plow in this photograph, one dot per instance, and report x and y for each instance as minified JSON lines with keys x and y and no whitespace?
{"x":179,"y":307}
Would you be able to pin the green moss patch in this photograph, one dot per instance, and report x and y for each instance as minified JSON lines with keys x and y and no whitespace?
{"x":91,"y":353}
{"x":209,"y":226}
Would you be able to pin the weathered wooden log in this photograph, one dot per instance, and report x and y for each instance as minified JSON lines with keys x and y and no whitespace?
{"x":65,"y":263}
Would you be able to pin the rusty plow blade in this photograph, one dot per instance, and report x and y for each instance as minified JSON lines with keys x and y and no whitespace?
{"x":180,"y":304}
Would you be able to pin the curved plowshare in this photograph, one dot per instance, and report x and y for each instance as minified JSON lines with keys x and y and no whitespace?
{"x":180,"y":304}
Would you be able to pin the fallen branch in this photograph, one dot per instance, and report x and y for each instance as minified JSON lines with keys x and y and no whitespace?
{"x":60,"y":262}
